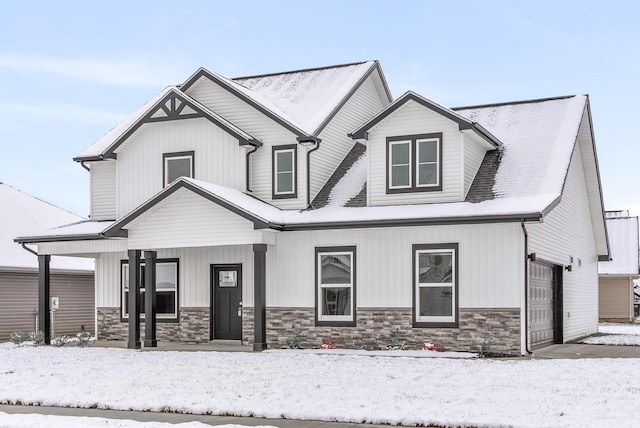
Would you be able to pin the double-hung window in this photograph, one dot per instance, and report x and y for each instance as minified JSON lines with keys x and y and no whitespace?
{"x":176,"y":165}
{"x":284,"y":172}
{"x":335,"y":286}
{"x":166,"y":289}
{"x":414,"y":163}
{"x":435,"y":273}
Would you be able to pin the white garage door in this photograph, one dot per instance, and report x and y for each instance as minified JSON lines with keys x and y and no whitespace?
{"x":541,"y":304}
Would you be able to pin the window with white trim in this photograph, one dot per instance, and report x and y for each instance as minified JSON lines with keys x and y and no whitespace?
{"x":176,"y":165}
{"x":435,"y":285}
{"x":284,"y":171}
{"x":166,"y":289}
{"x":335,"y":286}
{"x":414,"y":163}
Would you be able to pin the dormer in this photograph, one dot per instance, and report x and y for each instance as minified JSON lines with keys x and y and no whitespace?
{"x":421,"y":152}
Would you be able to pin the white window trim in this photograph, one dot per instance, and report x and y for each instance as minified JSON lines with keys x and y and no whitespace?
{"x":124,"y":271}
{"x":391,"y":164}
{"x":435,"y":319}
{"x":178,"y":157}
{"x":321,"y":286}
{"x":437,"y":162}
{"x":292,"y":172}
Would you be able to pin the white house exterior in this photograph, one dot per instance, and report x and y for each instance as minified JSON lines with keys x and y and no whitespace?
{"x":309,"y":202}
{"x":617,"y":275}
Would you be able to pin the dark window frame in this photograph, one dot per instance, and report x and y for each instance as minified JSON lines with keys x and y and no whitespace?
{"x":415,"y":285}
{"x":413,"y":170}
{"x":168,"y":156}
{"x":336,"y":323}
{"x":274,"y":173}
{"x":125,"y":317}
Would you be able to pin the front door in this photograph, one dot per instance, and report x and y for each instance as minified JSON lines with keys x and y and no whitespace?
{"x":226,"y":305}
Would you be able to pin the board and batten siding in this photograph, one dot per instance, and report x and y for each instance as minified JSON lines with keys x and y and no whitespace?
{"x":185,"y":219}
{"x":19,"y":291}
{"x":565,"y":233}
{"x":266,"y":130}
{"x":194,"y":280}
{"x":413,"y":119}
{"x":490,"y":261}
{"x":218,"y":158}
{"x":616,"y":298}
{"x":363,"y":104}
{"x":103,"y":190}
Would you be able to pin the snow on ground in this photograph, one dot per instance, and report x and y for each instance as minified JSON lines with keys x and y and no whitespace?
{"x":616,"y":334}
{"x":331,"y":387}
{"x":48,"y":421}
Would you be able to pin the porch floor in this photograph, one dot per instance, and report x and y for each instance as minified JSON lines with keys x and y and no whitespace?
{"x":214,"y":345}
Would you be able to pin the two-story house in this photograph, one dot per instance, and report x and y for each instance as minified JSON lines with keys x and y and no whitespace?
{"x":309,"y":202}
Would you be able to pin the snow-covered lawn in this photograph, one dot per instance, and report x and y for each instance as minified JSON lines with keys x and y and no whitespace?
{"x":616,"y":334}
{"x":332,"y":387}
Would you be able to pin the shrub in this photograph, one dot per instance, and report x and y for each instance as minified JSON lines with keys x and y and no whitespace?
{"x":36,"y":338}
{"x":59,"y":340}
{"x":295,"y":342}
{"x":327,"y":344}
{"x":18,"y":337}
{"x":395,"y":344}
{"x":84,"y":339}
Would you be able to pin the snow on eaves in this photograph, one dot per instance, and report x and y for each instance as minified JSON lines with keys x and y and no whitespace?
{"x":23,"y":214}
{"x":623,"y":242}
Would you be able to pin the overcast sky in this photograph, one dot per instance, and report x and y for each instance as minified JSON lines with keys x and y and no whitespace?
{"x":70,"y":71}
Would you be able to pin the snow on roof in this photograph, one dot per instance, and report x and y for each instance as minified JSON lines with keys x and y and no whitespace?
{"x":623,"y":240}
{"x":23,"y":214}
{"x":538,"y":139}
{"x":305,"y":97}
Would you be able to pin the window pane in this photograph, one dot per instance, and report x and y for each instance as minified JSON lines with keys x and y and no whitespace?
{"x":178,"y":167}
{"x":427,"y":173}
{"x":335,"y":269}
{"x":400,"y":175}
{"x":336,"y":301}
{"x":285,"y":161}
{"x":400,"y":153}
{"x":436,"y":301}
{"x":285,"y":182}
{"x":227,"y":278}
{"x":427,"y":151}
{"x":166,"y":276}
{"x":435,"y":267}
{"x":165,"y":302}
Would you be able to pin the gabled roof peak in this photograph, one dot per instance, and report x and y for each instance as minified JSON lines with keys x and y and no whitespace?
{"x":508,"y":103}
{"x":302,"y":70}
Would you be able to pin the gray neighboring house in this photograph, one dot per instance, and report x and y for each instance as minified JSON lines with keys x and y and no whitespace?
{"x":71,"y":278}
{"x":616,"y":276}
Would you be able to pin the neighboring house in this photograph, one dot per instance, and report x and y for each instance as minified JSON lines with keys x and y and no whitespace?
{"x":71,"y":278}
{"x":618,"y":274}
{"x":308,"y":202}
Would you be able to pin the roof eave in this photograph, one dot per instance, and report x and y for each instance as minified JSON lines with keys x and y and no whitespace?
{"x":58,"y":238}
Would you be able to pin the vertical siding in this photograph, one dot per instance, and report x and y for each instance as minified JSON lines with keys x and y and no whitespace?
{"x":413,"y":119}
{"x":568,"y":232}
{"x":218,"y":158}
{"x":19,"y":293}
{"x":103,"y":190}
{"x":616,"y":298}
{"x":264,"y":129}
{"x":336,"y":143}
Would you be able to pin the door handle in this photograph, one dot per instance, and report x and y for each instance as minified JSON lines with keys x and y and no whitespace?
{"x":240,"y":309}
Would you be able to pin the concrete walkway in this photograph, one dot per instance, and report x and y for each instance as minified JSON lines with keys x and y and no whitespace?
{"x":176,"y":418}
{"x":577,"y":350}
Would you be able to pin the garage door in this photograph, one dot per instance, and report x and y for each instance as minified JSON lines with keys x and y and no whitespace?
{"x":542,"y":322}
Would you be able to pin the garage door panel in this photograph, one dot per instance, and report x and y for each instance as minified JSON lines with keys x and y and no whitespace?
{"x":541,"y":304}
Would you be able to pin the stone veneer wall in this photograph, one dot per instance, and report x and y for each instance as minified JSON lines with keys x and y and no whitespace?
{"x":193,"y":326}
{"x":500,"y":328}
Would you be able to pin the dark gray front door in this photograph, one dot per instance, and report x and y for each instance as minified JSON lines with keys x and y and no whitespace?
{"x":226,"y":305}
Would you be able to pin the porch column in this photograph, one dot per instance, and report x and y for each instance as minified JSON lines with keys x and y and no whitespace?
{"x":134,"y":299}
{"x":44,"y":296}
{"x":150,"y":299}
{"x":259,"y":297}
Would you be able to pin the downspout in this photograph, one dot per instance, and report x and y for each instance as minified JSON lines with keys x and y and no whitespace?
{"x":317,"y":146}
{"x":29,"y":249}
{"x":249,"y":153}
{"x":526,"y":287}
{"x":84,"y":166}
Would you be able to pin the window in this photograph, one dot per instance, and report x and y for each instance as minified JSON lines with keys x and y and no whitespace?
{"x":284,"y":172}
{"x":435,"y":276}
{"x":414,"y":163}
{"x":166,"y":289}
{"x":335,"y":286}
{"x":177,"y":165}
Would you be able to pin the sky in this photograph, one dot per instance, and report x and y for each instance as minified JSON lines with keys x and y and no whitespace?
{"x":71,"y":71}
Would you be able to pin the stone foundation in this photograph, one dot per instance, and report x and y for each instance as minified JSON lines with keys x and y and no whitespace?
{"x":193,"y":326}
{"x":500,"y":328}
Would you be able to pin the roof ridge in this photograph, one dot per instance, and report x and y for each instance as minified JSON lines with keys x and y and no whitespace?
{"x":531,"y":101}
{"x":43,"y":201}
{"x":299,"y":71}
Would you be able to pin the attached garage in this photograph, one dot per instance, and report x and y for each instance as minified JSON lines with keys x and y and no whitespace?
{"x":545,"y":291}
